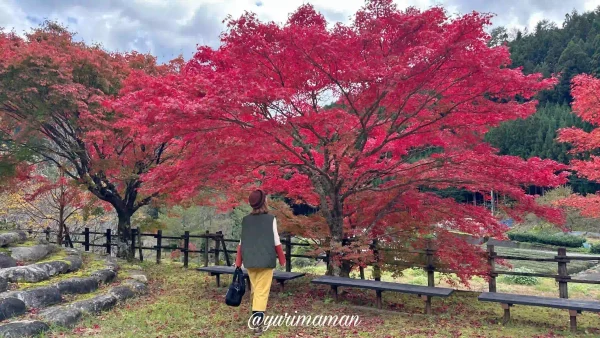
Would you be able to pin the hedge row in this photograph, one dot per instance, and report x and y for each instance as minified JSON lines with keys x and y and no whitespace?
{"x":558,"y":240}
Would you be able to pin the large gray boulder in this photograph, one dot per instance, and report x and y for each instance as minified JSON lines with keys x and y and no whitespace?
{"x":31,"y":253}
{"x":111,"y":263}
{"x":54,"y":268}
{"x":75,"y":262}
{"x":61,"y":315}
{"x":3,"y":284}
{"x":24,"y":328}
{"x":22,"y":235}
{"x":122,"y":293}
{"x":7,"y":238}
{"x":7,"y":261}
{"x":105,"y":275}
{"x":137,"y":287}
{"x":36,"y":298}
{"x":77,"y":285}
{"x":95,"y":305}
{"x":137,"y":275}
{"x":11,"y":307}
{"x":28,"y":273}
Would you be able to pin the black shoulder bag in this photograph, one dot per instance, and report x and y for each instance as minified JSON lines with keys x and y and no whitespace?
{"x":236,"y":289}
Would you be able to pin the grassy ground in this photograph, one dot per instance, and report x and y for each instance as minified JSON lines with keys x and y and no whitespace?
{"x":186,"y":303}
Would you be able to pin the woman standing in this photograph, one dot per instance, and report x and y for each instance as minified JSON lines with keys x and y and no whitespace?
{"x":258,"y":249}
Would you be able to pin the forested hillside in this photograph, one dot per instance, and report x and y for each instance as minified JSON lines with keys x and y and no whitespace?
{"x":568,"y":50}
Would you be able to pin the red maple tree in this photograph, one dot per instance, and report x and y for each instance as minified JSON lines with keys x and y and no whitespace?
{"x":52,"y":199}
{"x":586,"y":105}
{"x":70,"y":104}
{"x":365,"y":121}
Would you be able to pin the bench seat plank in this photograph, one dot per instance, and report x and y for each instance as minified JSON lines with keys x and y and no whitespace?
{"x":383,"y":286}
{"x":223,"y":269}
{"x":559,"y":303}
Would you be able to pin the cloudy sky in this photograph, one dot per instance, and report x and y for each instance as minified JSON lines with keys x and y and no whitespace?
{"x":168,"y":28}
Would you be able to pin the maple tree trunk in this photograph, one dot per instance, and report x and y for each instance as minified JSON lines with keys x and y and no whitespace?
{"x":61,"y":225}
{"x":124,"y":235}
{"x":336,"y":227}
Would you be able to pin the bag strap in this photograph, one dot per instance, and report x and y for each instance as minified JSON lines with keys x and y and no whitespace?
{"x":238,"y":275}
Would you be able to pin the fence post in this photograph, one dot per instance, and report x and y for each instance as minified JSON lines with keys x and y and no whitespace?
{"x":47,"y":231}
{"x":140,"y":252}
{"x":225,"y":252}
{"x":491,"y":256}
{"x":186,"y":247}
{"x":86,"y":239}
{"x":217,"y":248}
{"x":108,"y":242}
{"x":206,"y":248}
{"x":288,"y":253}
{"x":562,"y":272}
{"x":132,"y":246}
{"x":68,"y":242}
{"x":362,"y":273}
{"x":158,"y":246}
{"x":430,"y":267}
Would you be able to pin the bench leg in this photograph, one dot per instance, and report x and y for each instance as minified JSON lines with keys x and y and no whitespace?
{"x":281,"y":282}
{"x":218,"y":280}
{"x":427,"y":300}
{"x":379,"y":300}
{"x":334,"y":290}
{"x":506,"y":318}
{"x":573,"y":320}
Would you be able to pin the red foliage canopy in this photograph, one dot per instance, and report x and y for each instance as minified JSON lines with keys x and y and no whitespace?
{"x":365,"y":121}
{"x":586,"y":105}
{"x":77,"y":106}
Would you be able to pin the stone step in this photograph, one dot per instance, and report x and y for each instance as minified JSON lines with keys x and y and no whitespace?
{"x":44,"y":296}
{"x":68,"y":315}
{"x":12,"y":237}
{"x":32,"y":253}
{"x":34,"y":310}
{"x":23,"y":328}
{"x":38,"y":272}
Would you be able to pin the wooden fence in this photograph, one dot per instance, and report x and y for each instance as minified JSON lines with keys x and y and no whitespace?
{"x":220,"y":246}
{"x":183,"y":244}
{"x":561,"y":258}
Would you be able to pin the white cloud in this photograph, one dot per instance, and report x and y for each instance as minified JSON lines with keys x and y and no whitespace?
{"x":170,"y":28}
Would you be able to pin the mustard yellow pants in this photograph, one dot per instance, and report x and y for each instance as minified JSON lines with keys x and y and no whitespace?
{"x":260,"y":281}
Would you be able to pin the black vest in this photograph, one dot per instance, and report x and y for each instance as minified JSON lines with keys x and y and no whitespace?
{"x":258,"y":241}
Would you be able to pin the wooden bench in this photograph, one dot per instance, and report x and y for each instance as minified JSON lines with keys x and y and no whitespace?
{"x":280,"y":276}
{"x":574,"y":306}
{"x":424,"y":292}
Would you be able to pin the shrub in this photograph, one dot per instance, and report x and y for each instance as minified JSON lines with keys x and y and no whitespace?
{"x":176,"y":255}
{"x":595,"y":248}
{"x":415,"y":272}
{"x":520,"y":280}
{"x":419,"y":280}
{"x":301,"y":262}
{"x":558,"y":240}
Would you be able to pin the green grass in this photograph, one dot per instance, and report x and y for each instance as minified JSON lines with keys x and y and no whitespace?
{"x":186,"y":303}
